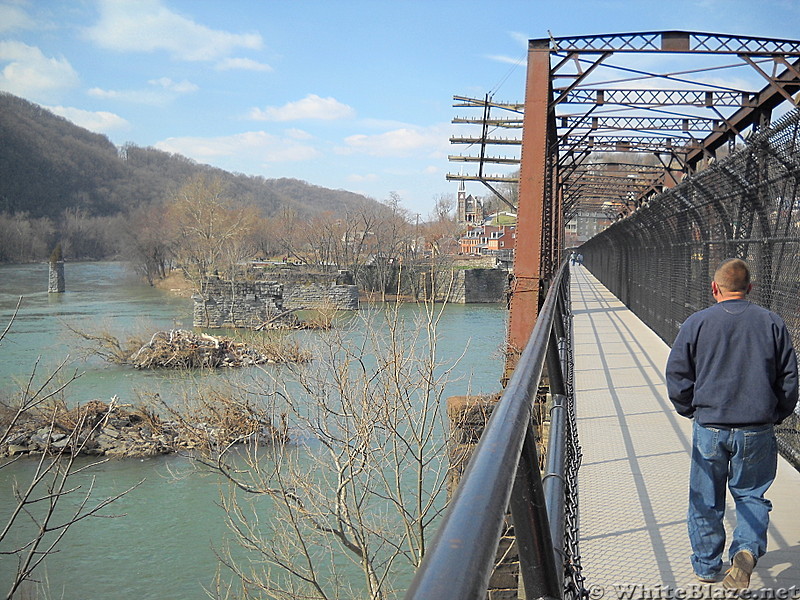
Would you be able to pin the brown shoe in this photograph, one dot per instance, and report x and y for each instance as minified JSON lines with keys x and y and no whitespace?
{"x":738,"y":576}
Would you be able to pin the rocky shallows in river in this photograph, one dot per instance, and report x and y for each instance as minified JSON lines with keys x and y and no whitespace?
{"x":111,"y":429}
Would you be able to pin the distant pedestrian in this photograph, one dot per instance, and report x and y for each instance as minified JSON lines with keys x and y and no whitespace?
{"x":580,"y":258}
{"x":733,"y":370}
{"x":573,"y":257}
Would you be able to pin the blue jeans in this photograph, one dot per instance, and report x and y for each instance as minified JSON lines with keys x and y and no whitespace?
{"x":745,"y":458}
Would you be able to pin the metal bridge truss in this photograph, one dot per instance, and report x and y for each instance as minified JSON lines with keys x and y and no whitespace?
{"x":600,"y":137}
{"x":660,"y":260}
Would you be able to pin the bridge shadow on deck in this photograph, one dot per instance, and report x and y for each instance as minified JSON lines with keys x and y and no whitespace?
{"x":633,"y":483}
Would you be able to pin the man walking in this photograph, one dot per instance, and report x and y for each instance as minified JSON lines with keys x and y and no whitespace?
{"x":732,"y":369}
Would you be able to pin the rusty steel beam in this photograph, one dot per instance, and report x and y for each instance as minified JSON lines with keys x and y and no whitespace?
{"x":765,"y":101}
{"x":618,"y":166}
{"x":600,"y":179}
{"x":611,"y":174}
{"x":636,"y":147}
{"x":622,"y":180}
{"x":658,"y":98}
{"x":649,"y":140}
{"x":675,"y":41}
{"x":577,"y":77}
{"x":685,"y":124}
{"x":536,"y":133}
{"x":599,"y":189}
{"x":559,"y":174}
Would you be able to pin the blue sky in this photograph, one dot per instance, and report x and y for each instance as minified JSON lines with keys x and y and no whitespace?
{"x":353,"y":95}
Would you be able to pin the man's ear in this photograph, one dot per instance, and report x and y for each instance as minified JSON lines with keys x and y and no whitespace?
{"x":714,"y":288}
{"x":749,"y":287}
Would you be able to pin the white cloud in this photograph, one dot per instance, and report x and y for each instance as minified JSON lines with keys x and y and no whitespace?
{"x":521,"y":59}
{"x":13,"y":17}
{"x":97,"y":92}
{"x":251,"y":145}
{"x":180,"y":87}
{"x":299,"y":134}
{"x":381,"y":124}
{"x":165,"y":90}
{"x":362,"y":178}
{"x":310,"y":107}
{"x":406,"y":141}
{"x":507,"y":59}
{"x":99,"y":122}
{"x":754,"y":82}
{"x":148,"y":26}
{"x":520,"y":38}
{"x":150,"y":97}
{"x":28,"y":72}
{"x":243,"y":64}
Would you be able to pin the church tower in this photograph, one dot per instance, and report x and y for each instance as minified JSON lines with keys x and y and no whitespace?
{"x":470,"y":209}
{"x":461,"y":214}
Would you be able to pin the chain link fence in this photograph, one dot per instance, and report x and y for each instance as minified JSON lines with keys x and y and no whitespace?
{"x":574,"y":582}
{"x":660,"y":260}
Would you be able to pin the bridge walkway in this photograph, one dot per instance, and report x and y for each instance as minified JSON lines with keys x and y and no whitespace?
{"x":633,"y":482}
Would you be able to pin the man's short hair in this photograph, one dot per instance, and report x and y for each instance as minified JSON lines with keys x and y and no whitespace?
{"x":733,"y":275}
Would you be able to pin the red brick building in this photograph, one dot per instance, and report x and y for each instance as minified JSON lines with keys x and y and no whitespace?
{"x":488,"y":239}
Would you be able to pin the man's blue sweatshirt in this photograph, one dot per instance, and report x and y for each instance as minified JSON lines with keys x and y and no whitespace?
{"x":733,"y":365}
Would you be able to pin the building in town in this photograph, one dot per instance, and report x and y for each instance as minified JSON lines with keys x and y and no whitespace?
{"x":470,"y":208}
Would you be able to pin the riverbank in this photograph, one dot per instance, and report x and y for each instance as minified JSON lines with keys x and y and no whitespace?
{"x":176,"y":284}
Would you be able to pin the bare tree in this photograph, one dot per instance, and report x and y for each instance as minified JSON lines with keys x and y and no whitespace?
{"x":441,"y":230}
{"x":354,"y":499}
{"x":341,"y":240}
{"x":442,"y":208}
{"x":59,"y":493}
{"x":84,"y":235}
{"x":269,"y":237}
{"x":23,"y":238}
{"x":288,"y":229}
{"x":145,"y":237}
{"x":212,"y":234}
{"x":393,"y":236}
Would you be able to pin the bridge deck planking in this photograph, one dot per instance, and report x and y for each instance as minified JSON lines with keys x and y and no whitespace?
{"x":633,"y":482}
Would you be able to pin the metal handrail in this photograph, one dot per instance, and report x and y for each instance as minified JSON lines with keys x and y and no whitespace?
{"x":503,"y":472}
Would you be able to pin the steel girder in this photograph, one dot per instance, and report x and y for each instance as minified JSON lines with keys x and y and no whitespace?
{"x":657,"y":98}
{"x":676,"y":41}
{"x":611,"y":123}
{"x":654,"y":128}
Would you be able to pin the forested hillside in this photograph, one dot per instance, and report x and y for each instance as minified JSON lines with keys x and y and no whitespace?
{"x":60,"y":182}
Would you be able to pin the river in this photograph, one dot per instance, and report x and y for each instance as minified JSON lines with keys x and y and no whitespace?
{"x":161,"y":544}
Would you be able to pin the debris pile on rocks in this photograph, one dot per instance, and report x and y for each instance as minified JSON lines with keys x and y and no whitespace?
{"x":109,"y":429}
{"x":181,"y":349}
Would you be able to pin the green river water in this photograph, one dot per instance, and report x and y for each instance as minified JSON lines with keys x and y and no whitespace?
{"x":163,"y":545}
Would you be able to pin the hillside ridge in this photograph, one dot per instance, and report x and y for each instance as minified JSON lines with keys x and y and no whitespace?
{"x":49,"y":165}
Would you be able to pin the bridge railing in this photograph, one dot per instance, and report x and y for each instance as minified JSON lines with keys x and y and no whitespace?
{"x":661,"y":259}
{"x":504,"y":473}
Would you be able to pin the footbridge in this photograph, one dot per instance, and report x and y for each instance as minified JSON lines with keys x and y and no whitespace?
{"x":633,"y":480}
{"x":583,"y":464}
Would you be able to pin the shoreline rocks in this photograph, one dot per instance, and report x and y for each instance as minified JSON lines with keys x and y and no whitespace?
{"x":182,"y":349}
{"x":111,"y":430}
